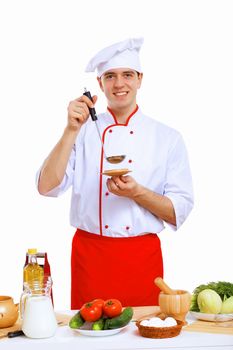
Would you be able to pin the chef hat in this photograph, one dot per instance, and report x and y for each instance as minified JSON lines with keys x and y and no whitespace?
{"x":124,"y":54}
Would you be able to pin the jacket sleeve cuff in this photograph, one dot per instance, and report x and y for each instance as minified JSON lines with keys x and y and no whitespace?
{"x":62,"y":187}
{"x":182,"y":207}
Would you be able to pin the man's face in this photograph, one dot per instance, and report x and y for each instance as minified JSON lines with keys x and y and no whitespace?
{"x":120,"y":87}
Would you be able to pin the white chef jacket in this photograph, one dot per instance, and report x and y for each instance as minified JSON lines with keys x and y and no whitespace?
{"x":157,"y":157}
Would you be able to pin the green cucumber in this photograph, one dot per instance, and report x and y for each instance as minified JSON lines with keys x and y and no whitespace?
{"x":120,"y":321}
{"x":76,"y":321}
{"x":98,"y":325}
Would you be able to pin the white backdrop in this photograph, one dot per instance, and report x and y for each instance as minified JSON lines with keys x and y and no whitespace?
{"x":187,"y":58}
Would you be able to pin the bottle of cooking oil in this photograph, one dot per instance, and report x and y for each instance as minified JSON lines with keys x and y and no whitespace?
{"x":33,"y":272}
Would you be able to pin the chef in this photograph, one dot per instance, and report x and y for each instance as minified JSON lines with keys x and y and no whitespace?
{"x":116,"y":250}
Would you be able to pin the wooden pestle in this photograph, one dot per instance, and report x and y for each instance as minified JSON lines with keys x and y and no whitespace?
{"x":159,"y":282}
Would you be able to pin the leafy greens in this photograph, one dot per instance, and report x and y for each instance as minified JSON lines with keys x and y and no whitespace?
{"x":224,"y":290}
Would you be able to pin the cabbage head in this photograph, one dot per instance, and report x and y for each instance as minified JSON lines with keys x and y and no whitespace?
{"x":209,"y":301}
{"x":227,"y":306}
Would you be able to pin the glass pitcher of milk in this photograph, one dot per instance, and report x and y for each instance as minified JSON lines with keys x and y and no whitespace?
{"x":37,"y":313}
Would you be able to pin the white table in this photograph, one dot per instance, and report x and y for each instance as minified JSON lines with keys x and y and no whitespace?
{"x":128,"y":339}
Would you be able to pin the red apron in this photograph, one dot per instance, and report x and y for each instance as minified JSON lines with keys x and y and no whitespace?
{"x":121,"y":268}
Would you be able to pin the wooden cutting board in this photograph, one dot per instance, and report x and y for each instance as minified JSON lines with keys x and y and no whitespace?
{"x":62,"y":320}
{"x":140,"y":312}
{"x":197,"y":326}
{"x":5,"y":331}
{"x":210,"y":327}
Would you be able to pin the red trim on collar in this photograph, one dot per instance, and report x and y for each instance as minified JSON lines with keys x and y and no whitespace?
{"x":127,"y":120}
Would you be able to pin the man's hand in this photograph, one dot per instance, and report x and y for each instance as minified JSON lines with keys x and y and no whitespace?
{"x":159,"y":205}
{"x":124,"y":186}
{"x":78,"y":112}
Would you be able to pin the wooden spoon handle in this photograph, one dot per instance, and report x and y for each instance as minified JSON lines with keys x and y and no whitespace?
{"x":159,"y":282}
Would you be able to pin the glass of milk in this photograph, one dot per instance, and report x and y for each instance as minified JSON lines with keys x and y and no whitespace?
{"x":37,"y":313}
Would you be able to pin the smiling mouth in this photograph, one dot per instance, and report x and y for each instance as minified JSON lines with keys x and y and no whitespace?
{"x":122,"y":93}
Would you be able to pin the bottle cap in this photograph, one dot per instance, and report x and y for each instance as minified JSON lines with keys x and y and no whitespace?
{"x":32,"y":251}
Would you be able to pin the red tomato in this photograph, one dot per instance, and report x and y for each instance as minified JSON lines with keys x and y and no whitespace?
{"x":112,"y":308}
{"x":91,"y":312}
{"x":98,"y":302}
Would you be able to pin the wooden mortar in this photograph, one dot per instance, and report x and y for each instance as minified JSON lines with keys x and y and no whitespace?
{"x":174,"y":303}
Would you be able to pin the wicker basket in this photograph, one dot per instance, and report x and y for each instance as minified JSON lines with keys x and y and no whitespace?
{"x":160,"y":332}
